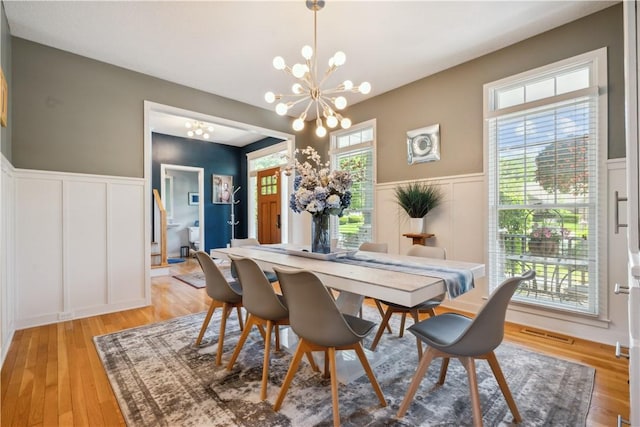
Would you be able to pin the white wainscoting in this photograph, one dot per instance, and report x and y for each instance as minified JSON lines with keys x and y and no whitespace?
{"x":459,"y":223}
{"x":460,"y":226}
{"x":7,"y":276}
{"x":79,"y":246}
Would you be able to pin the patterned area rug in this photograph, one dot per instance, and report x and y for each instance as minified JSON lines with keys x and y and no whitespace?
{"x":197,"y":279}
{"x":159,"y":378}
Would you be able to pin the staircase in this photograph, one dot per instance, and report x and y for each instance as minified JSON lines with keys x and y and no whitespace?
{"x":159,"y":264}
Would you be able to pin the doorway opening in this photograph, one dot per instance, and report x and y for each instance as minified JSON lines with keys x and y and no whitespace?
{"x":181,"y":188}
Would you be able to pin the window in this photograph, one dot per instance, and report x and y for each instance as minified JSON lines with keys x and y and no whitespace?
{"x":354,"y":149}
{"x":546,"y":134}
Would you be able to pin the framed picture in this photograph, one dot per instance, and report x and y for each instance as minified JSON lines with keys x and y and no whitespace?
{"x":222,"y":188}
{"x":423,"y":145}
{"x":4,"y":99}
{"x":194,"y":198}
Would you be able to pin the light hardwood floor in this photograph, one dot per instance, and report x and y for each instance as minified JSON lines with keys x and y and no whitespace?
{"x":52,"y":374}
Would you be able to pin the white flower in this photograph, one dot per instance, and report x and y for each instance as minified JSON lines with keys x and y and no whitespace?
{"x":317,"y":189}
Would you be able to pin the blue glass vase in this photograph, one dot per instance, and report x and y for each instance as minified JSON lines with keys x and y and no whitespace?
{"x":320,"y":241}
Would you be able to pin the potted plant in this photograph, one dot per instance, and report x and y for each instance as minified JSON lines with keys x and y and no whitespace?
{"x":418,"y":199}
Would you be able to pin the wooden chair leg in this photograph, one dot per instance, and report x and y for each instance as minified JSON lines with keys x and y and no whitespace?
{"x":293,"y":367}
{"x":265,"y":363}
{"x":241,"y":341}
{"x":277,"y":327}
{"x":497,"y":372}
{"x":443,"y":370}
{"x":206,"y":321}
{"x":415,"y":382}
{"x":369,"y":371}
{"x":404,"y":318}
{"x":470,"y":365}
{"x":326,"y":364}
{"x":334,"y":386}
{"x":312,"y":362}
{"x":382,"y":313}
{"x":240,"y":321}
{"x":223,"y":325}
{"x":416,"y":319}
{"x":385,"y":321}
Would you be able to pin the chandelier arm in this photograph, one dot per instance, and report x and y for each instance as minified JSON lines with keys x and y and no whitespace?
{"x":304,"y":113}
{"x":336,"y":89}
{"x":327,"y":73}
{"x":326,"y":106}
{"x":291,"y":104}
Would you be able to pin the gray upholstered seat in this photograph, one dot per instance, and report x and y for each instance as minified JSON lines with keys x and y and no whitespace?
{"x":454,"y":335}
{"x":223,"y":294}
{"x":424,"y":307}
{"x":236,"y":243}
{"x":265,"y":308}
{"x":320,"y":326}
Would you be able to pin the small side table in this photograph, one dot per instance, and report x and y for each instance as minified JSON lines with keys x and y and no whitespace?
{"x":419,"y":238}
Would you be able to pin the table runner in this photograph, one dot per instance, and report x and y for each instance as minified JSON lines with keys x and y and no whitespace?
{"x":457,"y":280}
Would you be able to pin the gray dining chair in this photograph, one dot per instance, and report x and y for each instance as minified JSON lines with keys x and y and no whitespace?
{"x":320,"y":326}
{"x":250,"y":241}
{"x":381,"y":248}
{"x":427,"y":307}
{"x":223,"y":294}
{"x":265,"y":308}
{"x":454,"y":335}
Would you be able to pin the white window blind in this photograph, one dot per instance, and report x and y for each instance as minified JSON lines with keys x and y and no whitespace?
{"x":544,"y":142}
{"x":354,"y":150}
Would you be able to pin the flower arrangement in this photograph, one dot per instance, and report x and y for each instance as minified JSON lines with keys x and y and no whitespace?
{"x":543,"y":241}
{"x":544,"y":233}
{"x":317,"y":189}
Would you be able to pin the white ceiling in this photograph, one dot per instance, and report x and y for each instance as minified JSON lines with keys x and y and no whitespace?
{"x":226,"y":47}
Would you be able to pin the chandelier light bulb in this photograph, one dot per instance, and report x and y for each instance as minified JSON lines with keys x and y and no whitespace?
{"x":339,"y":58}
{"x":270,"y":97}
{"x":345,"y":123}
{"x":365,"y":88}
{"x":321,"y":131}
{"x":298,"y":124}
{"x":187,"y":125}
{"x":348,"y":85}
{"x":299,"y":70}
{"x":199,"y":131}
{"x":307,"y":52}
{"x":278,"y":63}
{"x":297,"y":88}
{"x":340,"y":102}
{"x":332,"y":121}
{"x":210,"y":128}
{"x":205,"y":136}
{"x":190,"y":134}
{"x":281,"y":108}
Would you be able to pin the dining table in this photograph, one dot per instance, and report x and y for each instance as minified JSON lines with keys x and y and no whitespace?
{"x":401,"y":279}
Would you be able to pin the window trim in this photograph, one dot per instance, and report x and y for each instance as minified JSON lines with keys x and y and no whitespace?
{"x":598,"y":79}
{"x":333,"y":151}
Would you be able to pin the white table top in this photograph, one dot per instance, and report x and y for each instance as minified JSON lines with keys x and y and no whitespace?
{"x":402,"y":288}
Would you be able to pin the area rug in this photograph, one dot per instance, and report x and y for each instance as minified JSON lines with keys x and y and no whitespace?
{"x":197,"y":279}
{"x":159,"y":378}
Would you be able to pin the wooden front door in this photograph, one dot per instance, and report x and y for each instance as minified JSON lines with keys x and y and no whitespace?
{"x":269,"y":206}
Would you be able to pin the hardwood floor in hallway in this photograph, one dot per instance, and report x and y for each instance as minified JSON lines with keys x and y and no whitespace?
{"x":52,"y":374}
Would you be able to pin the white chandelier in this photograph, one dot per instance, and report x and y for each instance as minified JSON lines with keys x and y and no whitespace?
{"x":199,"y":129}
{"x":309,"y":86}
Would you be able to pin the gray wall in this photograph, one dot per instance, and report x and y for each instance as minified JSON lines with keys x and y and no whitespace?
{"x":453,"y":98}
{"x":79,"y":115}
{"x":75,"y":114}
